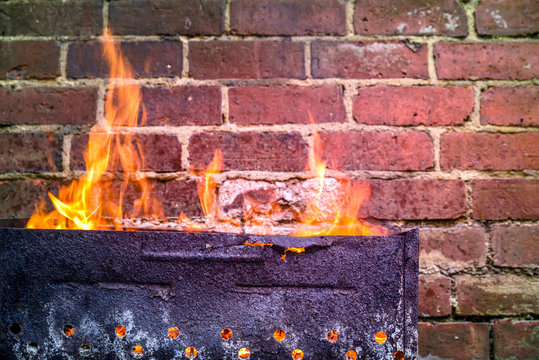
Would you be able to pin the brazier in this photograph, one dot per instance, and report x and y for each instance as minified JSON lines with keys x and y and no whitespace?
{"x":64,"y":293}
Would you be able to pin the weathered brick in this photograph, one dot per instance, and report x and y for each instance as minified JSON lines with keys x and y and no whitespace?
{"x":168,"y":199}
{"x":19,"y":198}
{"x":433,"y":297}
{"x":147,"y":58}
{"x":30,"y":152}
{"x":464,"y":340}
{"x":416,"y":199}
{"x":29,"y":59}
{"x":485,"y":151}
{"x":453,"y":248}
{"x":48,"y":105}
{"x":249,"y":151}
{"x":292,"y":17}
{"x":166,"y":17}
{"x":492,"y":60}
{"x":286,"y":104}
{"x":246,"y":59}
{"x":161,"y":152}
{"x":411,"y":17}
{"x":182,"y":105}
{"x":496,"y":294}
{"x":45,"y":17}
{"x":386,"y":150}
{"x":499,"y":199}
{"x":512,"y":106}
{"x":367,"y":60}
{"x":507,"y":17}
{"x":514,"y":339}
{"x":425,"y":105}
{"x":177,"y":196}
{"x":516,"y":246}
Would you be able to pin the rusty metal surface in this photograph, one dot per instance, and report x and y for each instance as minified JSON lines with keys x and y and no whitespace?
{"x":202,"y":283}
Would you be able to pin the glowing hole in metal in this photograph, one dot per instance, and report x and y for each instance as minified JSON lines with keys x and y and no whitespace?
{"x":68,"y":330}
{"x":398,"y":355}
{"x":173,"y":332}
{"x":191,"y":352}
{"x":333,"y":336}
{"x":380,"y":337}
{"x":351,"y":355}
{"x":226,"y":334}
{"x":120,"y":331}
{"x":138,"y":352}
{"x":297,"y":354}
{"x":244,"y":353}
{"x":279,"y":335}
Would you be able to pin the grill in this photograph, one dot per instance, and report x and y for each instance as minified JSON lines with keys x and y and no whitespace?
{"x":165,"y":295}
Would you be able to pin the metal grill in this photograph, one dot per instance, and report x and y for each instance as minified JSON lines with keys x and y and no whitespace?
{"x":163,"y":295}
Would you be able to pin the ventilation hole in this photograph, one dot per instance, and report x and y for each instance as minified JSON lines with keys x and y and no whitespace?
{"x":226,"y":334}
{"x":191,"y":352}
{"x":68,"y":330}
{"x":32,"y":348}
{"x":173,"y":332}
{"x":120,"y":331}
{"x":279,"y":335}
{"x":380,"y":337}
{"x":399,"y":355}
{"x":15,"y":328}
{"x":333,"y":336}
{"x":297,"y":354}
{"x":351,"y":355}
{"x":138,"y":352}
{"x":85,"y":350}
{"x":244,"y":353}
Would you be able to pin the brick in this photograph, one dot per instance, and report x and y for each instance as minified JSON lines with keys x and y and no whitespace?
{"x":182,"y":105}
{"x":178,"y":196}
{"x":369,"y":60}
{"x":45,"y":18}
{"x":286,"y":104}
{"x":166,"y":17}
{"x":48,"y":105}
{"x":147,"y":58}
{"x":507,"y":17}
{"x":19,"y":198}
{"x":464,"y":340}
{"x":496,"y":294}
{"x":499,"y":199}
{"x":403,"y":106}
{"x":249,"y":151}
{"x":29,"y":59}
{"x":514,"y":339}
{"x":516,"y":246}
{"x":246,"y":59}
{"x":486,"y":151}
{"x":433,"y":297}
{"x":416,"y":199}
{"x":510,"y":106}
{"x":411,"y":17}
{"x":291,"y":17}
{"x":30,"y":152}
{"x":162,"y":152}
{"x":385,"y":150}
{"x":493,"y":60}
{"x":453,"y":248}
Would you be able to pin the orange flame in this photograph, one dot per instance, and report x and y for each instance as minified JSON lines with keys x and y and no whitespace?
{"x":94,"y":201}
{"x":114,"y":161}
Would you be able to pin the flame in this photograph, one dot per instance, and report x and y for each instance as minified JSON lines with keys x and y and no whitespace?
{"x":95,"y":201}
{"x":115,"y":161}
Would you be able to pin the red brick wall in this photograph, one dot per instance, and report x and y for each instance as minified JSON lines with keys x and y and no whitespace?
{"x":435,"y":102}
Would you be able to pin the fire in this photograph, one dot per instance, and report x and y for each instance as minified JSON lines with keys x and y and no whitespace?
{"x":115,"y":159}
{"x":95,"y":201}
